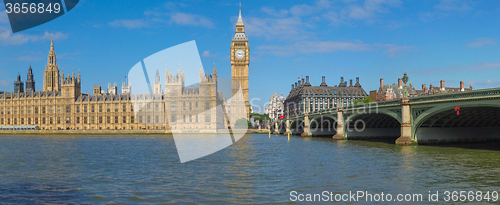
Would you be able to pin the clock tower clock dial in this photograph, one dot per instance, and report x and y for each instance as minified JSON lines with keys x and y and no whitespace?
{"x":239,"y":54}
{"x":240,"y":60}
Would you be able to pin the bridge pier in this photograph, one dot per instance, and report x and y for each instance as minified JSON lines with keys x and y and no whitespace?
{"x":340,"y":126}
{"x":287,"y":126}
{"x":405,"y":138}
{"x":276,"y":128}
{"x":306,"y":132}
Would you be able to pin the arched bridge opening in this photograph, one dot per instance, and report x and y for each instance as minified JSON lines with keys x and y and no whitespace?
{"x":297,"y":127}
{"x":373,"y":126}
{"x":272,"y":127}
{"x":323,"y":126}
{"x":470,"y":124}
{"x":282,"y":127}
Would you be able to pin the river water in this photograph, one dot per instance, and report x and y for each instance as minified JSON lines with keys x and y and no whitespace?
{"x":129,"y":169}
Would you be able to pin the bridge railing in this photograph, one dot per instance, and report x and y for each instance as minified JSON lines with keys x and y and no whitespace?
{"x":385,"y":103}
{"x":456,"y":95}
{"x":376,"y":104}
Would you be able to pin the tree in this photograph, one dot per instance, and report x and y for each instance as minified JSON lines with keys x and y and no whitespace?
{"x":242,"y":123}
{"x":259,"y":117}
{"x":366,"y":100}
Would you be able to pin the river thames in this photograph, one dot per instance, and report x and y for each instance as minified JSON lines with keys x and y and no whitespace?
{"x":129,"y":169}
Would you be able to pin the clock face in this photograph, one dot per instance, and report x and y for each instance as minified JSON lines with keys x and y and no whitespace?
{"x":239,"y":54}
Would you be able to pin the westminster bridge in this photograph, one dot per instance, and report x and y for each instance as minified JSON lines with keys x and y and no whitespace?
{"x":449,"y":117}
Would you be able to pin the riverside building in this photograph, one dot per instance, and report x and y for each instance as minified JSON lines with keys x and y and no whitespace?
{"x":62,"y":106}
{"x":304,"y":97}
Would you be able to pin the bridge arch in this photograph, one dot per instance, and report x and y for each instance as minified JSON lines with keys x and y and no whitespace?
{"x":281,"y":126}
{"x":323,"y":125}
{"x":296,"y":126}
{"x":382,"y":124}
{"x":477,"y":121}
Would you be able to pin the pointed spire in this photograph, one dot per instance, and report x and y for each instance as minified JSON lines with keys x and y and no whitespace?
{"x":240,"y":20}
{"x":157,"y":77}
{"x":215,"y":71}
{"x":52,"y":42}
{"x":201,"y":70}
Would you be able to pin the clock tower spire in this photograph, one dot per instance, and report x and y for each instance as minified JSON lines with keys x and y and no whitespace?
{"x":240,"y":59}
{"x":51,"y":75}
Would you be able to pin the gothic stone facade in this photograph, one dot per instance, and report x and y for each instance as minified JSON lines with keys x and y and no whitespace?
{"x":61,"y":105}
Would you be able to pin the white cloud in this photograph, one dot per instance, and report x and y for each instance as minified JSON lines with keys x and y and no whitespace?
{"x":6,"y":82}
{"x":6,"y":37}
{"x":480,"y":66}
{"x":488,"y":82}
{"x":370,"y":9}
{"x":136,"y":23}
{"x":303,"y":9}
{"x":273,"y":12}
{"x":30,"y":58}
{"x":300,"y":21}
{"x":280,"y":28}
{"x":191,"y":20}
{"x":445,"y":8}
{"x":454,"y":5}
{"x":479,"y":42}
{"x":168,"y":13}
{"x":207,"y":54}
{"x":394,"y":50}
{"x":3,"y":17}
{"x":308,"y":47}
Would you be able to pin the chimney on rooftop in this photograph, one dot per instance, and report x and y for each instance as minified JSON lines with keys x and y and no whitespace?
{"x":442,"y":84}
{"x":323,"y":81}
{"x":400,"y":83}
{"x":357,"y":82}
{"x":302,"y":81}
{"x":462,"y":86}
{"x":350,"y":83}
{"x":307,"y":79}
{"x":381,"y":82}
{"x":424,"y":88}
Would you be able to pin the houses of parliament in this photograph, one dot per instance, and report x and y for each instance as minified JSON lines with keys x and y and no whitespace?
{"x":61,"y":105}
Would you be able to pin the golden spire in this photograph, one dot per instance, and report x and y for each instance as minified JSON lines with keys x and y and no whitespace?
{"x":52,"y":42}
{"x":240,"y":19}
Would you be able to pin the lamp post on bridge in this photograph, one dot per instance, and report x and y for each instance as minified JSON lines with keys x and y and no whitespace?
{"x":406,"y":129}
{"x":405,"y":80}
{"x":339,"y":135}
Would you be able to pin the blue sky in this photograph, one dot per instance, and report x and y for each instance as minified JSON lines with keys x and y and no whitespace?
{"x":449,"y":40}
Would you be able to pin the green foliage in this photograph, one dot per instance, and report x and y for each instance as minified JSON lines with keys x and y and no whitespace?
{"x":259,"y":117}
{"x":242,"y":123}
{"x":366,"y":100}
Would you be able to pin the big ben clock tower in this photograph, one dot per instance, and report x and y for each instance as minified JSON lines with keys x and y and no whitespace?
{"x":240,"y":59}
